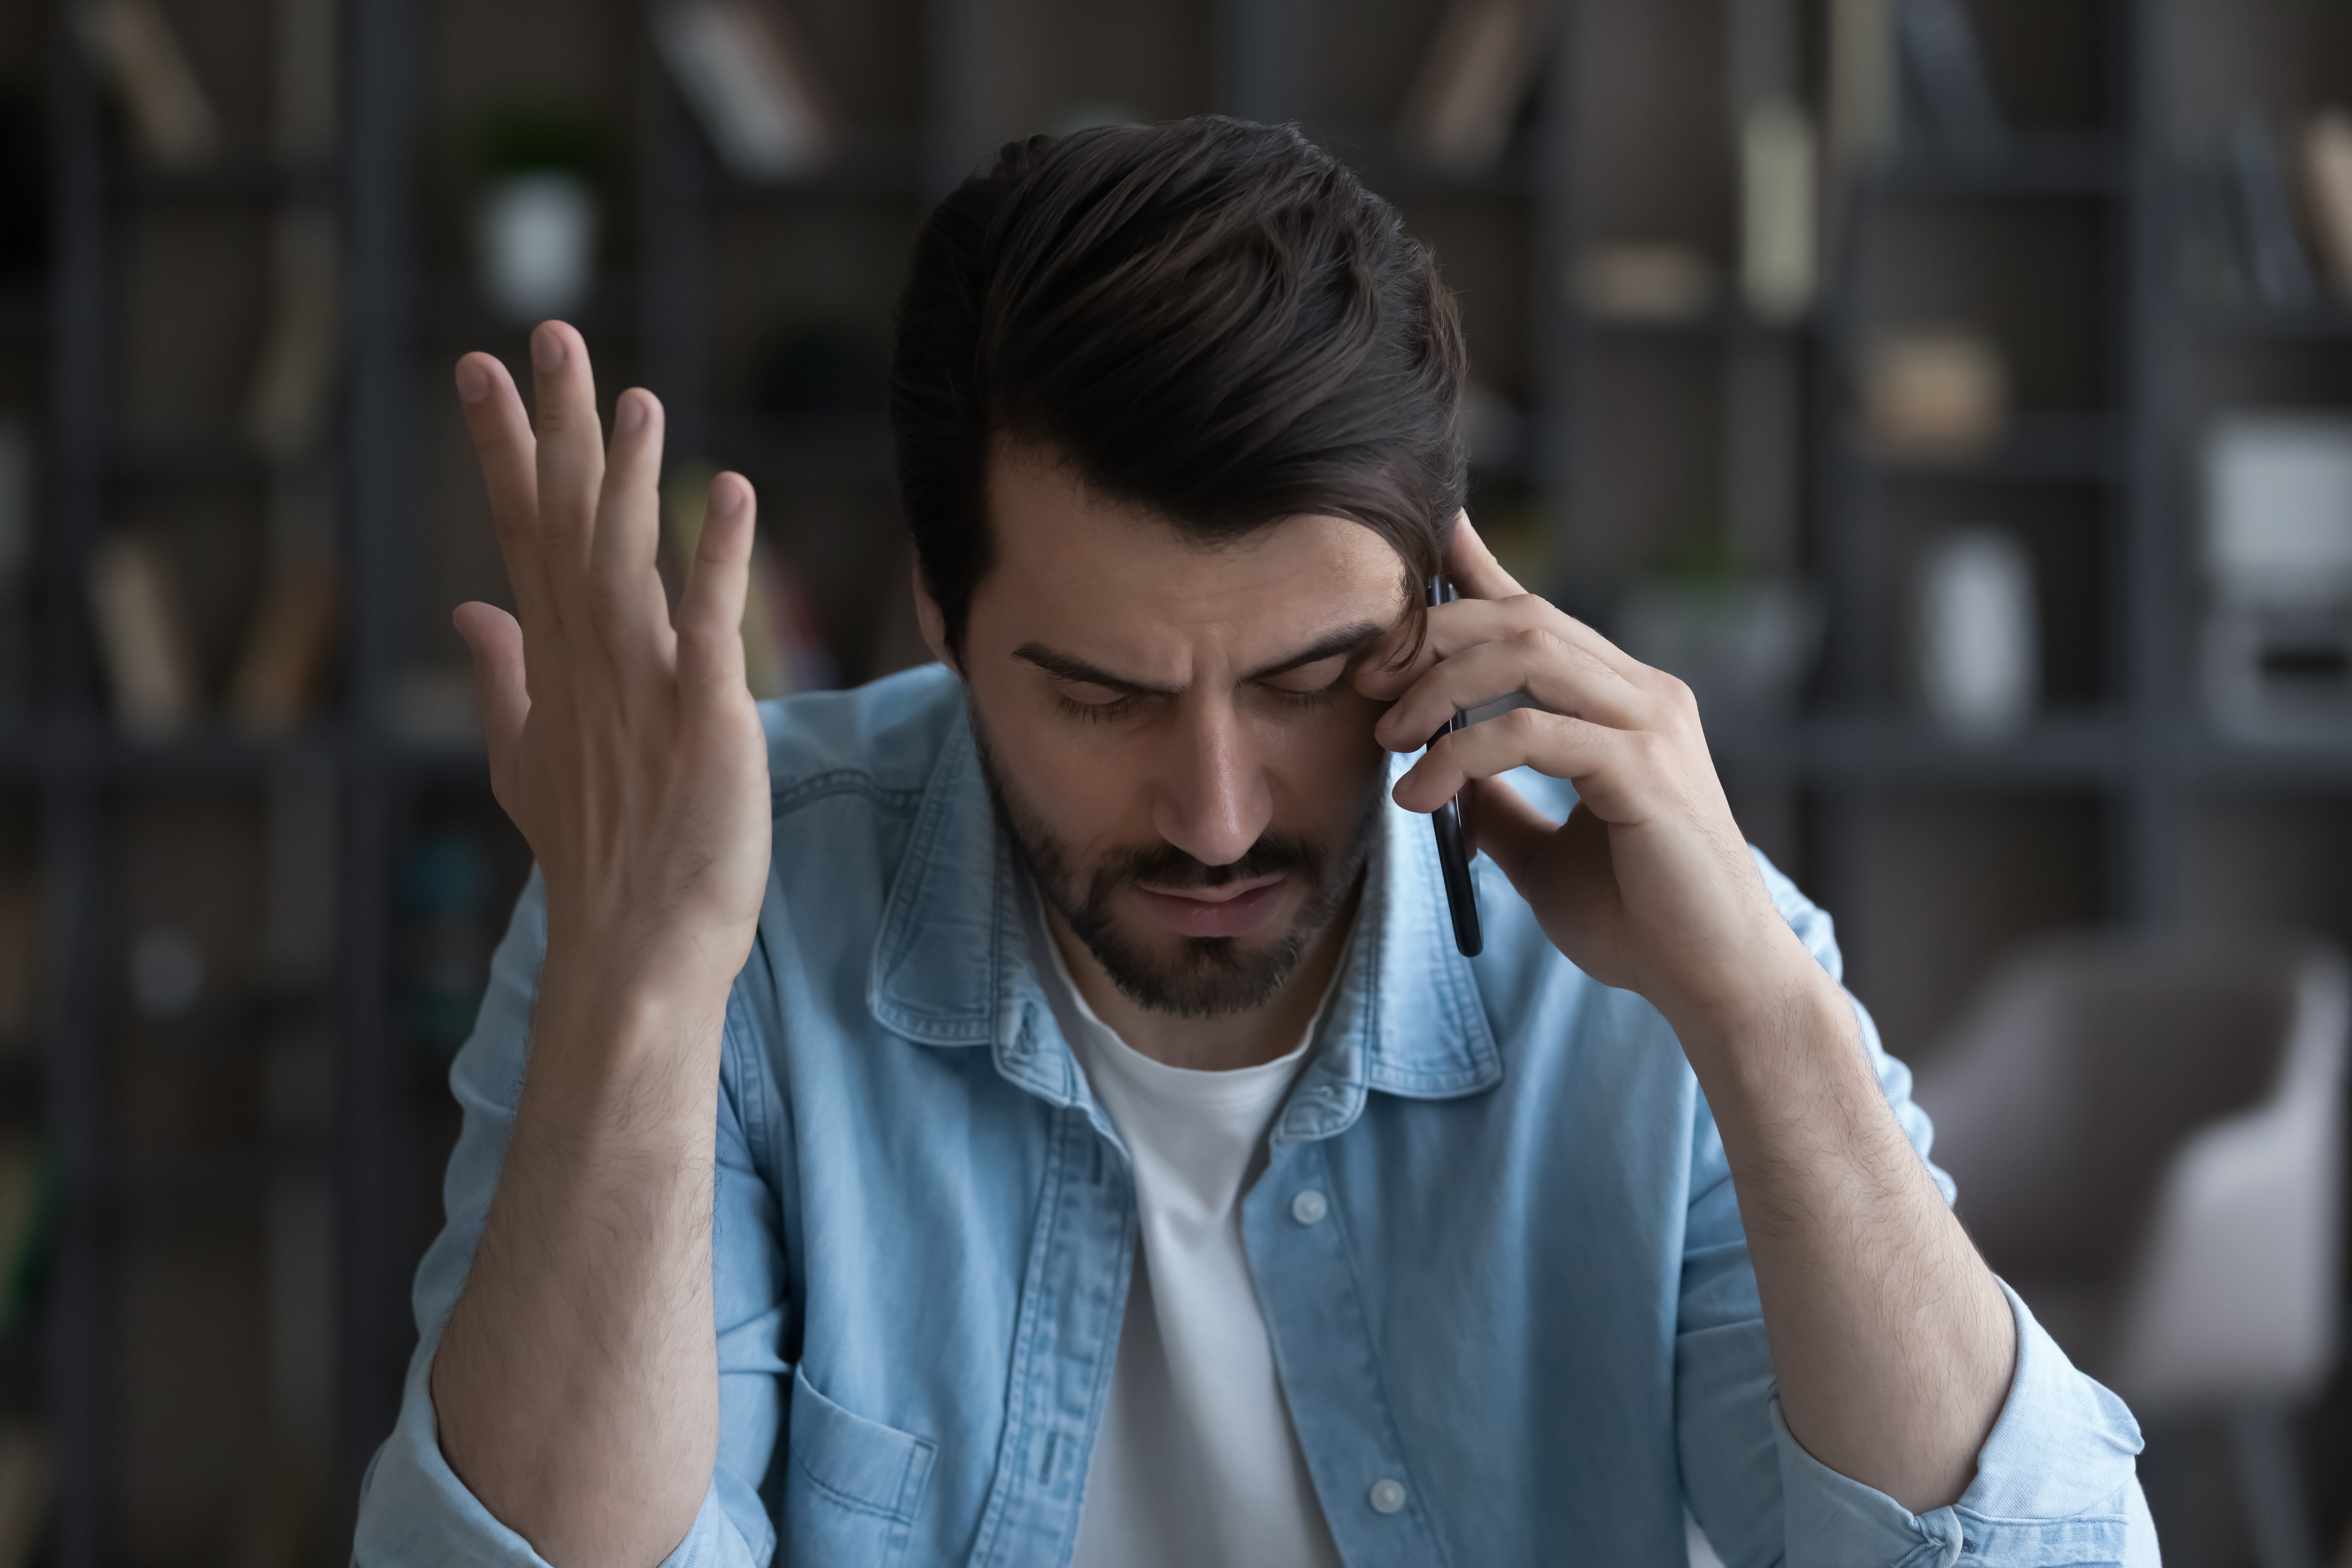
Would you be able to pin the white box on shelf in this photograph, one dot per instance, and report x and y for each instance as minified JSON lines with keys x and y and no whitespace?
{"x":2278,"y":508}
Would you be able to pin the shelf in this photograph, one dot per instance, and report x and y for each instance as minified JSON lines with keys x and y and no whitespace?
{"x":2322,"y":764}
{"x":2329,"y":322}
{"x":2078,"y":750}
{"x":87,"y":748}
{"x":873,"y":165}
{"x":1729,"y":322}
{"x":2044,"y":164}
{"x":456,"y":314}
{"x":236,"y":181}
{"x":2037,"y":448}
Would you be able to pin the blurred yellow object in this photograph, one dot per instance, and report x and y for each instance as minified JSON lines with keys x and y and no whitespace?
{"x":1934,"y":394}
{"x":1646,"y":280}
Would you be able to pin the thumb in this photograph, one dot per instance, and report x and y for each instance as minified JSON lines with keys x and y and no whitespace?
{"x":1503,"y":827}
{"x":495,"y":640}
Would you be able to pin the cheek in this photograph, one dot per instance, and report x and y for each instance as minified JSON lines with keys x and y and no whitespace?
{"x":1323,"y":769}
{"x":1090,"y":785}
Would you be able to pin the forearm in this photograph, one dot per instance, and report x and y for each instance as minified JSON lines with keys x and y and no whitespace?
{"x":576,"y":1387}
{"x":1892,"y":1344}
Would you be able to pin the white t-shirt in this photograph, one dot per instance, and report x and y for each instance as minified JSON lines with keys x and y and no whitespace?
{"x":1196,"y":1464}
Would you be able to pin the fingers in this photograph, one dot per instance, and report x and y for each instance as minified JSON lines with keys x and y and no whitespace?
{"x":1476,"y":573}
{"x":1503,"y":827}
{"x":508,"y":452}
{"x":571,"y":450}
{"x":628,"y":523}
{"x":1533,"y":661}
{"x":1551,"y":743}
{"x":495,"y":640}
{"x":710,"y":610}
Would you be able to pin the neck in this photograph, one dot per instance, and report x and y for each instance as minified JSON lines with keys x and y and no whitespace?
{"x":1230,"y":1040}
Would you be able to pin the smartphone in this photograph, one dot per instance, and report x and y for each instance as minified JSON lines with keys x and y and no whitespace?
{"x":1453,"y":855}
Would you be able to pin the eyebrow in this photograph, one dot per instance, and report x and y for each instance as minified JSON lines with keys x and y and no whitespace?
{"x":1347,"y":639}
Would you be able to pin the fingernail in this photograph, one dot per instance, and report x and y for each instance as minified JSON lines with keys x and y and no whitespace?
{"x":547,"y":349}
{"x":726,"y":498}
{"x":630,"y":414}
{"x":473,"y":382}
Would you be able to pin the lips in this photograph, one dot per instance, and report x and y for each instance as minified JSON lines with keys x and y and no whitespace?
{"x":1215,"y":911}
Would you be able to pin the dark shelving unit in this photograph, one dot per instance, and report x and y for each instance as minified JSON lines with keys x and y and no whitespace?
{"x":2111,"y":805}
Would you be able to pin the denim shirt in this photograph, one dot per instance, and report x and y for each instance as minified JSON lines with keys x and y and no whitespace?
{"x":1516,"y":1322}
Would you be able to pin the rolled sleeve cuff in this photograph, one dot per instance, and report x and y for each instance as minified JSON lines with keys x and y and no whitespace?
{"x":2054,"y":1484}
{"x":414,"y":1512}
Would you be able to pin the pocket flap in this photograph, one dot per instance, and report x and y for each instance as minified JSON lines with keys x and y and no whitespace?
{"x":861,"y":1464}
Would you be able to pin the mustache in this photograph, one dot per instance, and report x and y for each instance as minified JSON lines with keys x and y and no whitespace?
{"x":1165,"y":865}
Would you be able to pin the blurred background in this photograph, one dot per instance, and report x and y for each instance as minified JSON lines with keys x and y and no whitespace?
{"x":1957,"y":393}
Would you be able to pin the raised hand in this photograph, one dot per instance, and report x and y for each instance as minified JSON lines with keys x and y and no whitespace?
{"x":625,"y":747}
{"x":1648,"y":885}
{"x":576,"y":1388}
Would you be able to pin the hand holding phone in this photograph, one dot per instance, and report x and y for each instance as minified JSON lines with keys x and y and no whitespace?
{"x":1452,"y":853}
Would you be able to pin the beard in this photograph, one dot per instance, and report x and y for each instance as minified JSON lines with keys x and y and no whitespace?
{"x":1203,"y":977}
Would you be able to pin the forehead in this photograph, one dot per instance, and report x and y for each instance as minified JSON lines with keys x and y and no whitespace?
{"x":1072,"y":564}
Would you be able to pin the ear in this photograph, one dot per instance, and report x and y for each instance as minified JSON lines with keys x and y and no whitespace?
{"x":933,"y":620}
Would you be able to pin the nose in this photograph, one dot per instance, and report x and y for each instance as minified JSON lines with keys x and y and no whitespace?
{"x":1211,"y":801}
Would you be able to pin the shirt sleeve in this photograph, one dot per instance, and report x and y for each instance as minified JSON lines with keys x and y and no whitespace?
{"x":413,"y":1508}
{"x":2055,"y":1480}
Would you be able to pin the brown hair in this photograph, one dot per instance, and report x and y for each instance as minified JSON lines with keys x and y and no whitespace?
{"x":1208,"y":319}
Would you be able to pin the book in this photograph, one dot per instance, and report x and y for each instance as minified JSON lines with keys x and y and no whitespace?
{"x":281,"y":671}
{"x":1473,"y":83}
{"x":294,"y":376}
{"x":132,"y":44}
{"x":1779,"y":218}
{"x":1946,"y":69}
{"x":751,"y":81}
{"x":142,"y":641}
{"x":2277,"y":263}
{"x":1865,"y":99}
{"x":1934,"y":394}
{"x":1643,"y":280}
{"x":2327,"y":192}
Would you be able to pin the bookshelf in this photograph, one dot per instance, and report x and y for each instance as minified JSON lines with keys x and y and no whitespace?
{"x":286,"y":1135}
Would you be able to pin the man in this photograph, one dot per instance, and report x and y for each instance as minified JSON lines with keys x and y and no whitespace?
{"x":1032,"y":1109}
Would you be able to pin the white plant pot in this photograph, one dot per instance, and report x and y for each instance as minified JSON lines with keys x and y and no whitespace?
{"x":536,"y":236}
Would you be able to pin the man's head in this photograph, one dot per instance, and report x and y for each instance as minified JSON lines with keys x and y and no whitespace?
{"x":1177,"y":414}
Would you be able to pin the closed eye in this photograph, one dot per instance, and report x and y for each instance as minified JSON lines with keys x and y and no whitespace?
{"x":1315,"y":679}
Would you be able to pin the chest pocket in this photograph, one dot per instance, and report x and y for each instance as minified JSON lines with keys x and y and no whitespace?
{"x":856,"y":1486}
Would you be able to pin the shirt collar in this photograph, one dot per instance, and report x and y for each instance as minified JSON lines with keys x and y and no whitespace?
{"x":952,"y":966}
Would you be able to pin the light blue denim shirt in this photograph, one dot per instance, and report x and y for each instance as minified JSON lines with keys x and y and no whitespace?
{"x":1526,"y":1299}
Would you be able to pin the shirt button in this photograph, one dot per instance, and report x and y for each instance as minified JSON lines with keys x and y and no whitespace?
{"x":1388,"y":1497}
{"x":1308,"y":1208}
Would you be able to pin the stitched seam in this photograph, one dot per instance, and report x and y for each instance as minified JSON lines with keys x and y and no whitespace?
{"x":1421,"y":1514}
{"x":844,"y":1499}
{"x":930,"y":826}
{"x":1009,"y":1474}
{"x":840,"y":781}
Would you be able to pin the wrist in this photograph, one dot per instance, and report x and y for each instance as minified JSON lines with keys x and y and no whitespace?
{"x":608,"y":1030}
{"x":1758,"y":1034}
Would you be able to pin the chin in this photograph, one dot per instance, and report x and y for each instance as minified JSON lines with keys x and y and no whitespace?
{"x":1196,"y":977}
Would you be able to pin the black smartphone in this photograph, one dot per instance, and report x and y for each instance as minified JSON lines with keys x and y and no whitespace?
{"x":1453,"y":855}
